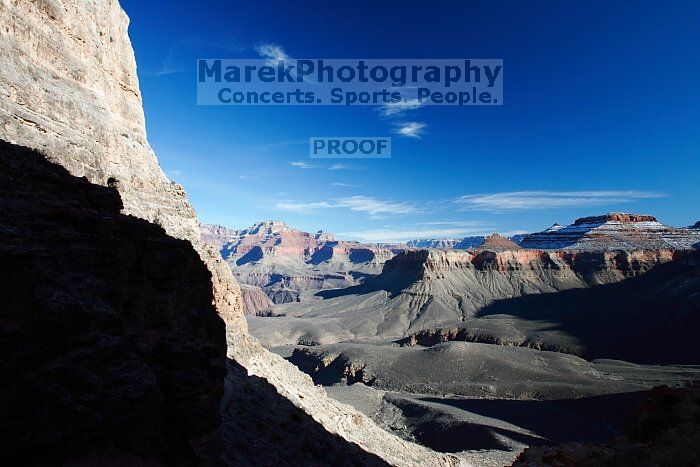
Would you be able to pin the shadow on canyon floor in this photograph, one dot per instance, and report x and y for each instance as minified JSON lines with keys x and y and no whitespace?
{"x":653,"y":318}
{"x":589,"y":420}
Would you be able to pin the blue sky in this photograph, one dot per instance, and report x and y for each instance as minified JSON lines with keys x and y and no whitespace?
{"x":601,"y":113}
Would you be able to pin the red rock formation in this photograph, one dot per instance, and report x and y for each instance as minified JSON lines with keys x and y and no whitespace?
{"x":276,"y":239}
{"x":615,"y":217}
{"x":255,"y":300}
{"x":286,"y":262}
{"x":498,"y":243}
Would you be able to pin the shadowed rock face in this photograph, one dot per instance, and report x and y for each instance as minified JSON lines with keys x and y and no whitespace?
{"x":663,"y":430}
{"x":113,"y":351}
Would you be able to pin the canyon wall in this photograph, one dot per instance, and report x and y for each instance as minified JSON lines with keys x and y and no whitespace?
{"x":69,"y":89}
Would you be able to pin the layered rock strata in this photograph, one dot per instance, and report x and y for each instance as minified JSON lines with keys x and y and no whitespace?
{"x":614,"y":231}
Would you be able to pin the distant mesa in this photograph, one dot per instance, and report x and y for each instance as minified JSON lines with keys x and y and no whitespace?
{"x":613,"y":231}
{"x":621,"y":217}
{"x":324,"y":236}
{"x":281,"y":263}
{"x":447,"y":243}
{"x":696,"y":226}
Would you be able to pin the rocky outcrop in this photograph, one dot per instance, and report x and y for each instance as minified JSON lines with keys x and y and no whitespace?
{"x":216,"y":235}
{"x":584,"y":267}
{"x":619,"y":217}
{"x":255,"y":300}
{"x":497,"y":242}
{"x":595,"y":304}
{"x":113,"y":352}
{"x":286,"y":262}
{"x":614,"y":231}
{"x":276,"y":239}
{"x":262,"y":428}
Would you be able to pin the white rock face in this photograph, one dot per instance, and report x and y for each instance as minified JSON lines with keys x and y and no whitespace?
{"x":68,"y":87}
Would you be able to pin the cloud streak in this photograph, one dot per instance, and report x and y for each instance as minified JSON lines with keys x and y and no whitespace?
{"x":533,"y":200}
{"x":339,"y":166}
{"x":272,"y":52}
{"x":410,"y":129}
{"x":302,"y":165}
{"x":375,"y":207}
{"x":393,"y":109}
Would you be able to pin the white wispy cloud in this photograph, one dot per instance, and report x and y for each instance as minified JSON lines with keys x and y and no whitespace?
{"x":272,"y":52}
{"x":373,"y":206}
{"x":302,"y":208}
{"x":181,"y":54}
{"x":348,"y":185}
{"x":410,"y":129}
{"x":455,"y":223}
{"x":340,"y":166}
{"x":397,"y":108}
{"x":530,"y":200}
{"x":302,"y":165}
{"x":248,"y":177}
{"x":376,"y":207}
{"x":170,"y":63}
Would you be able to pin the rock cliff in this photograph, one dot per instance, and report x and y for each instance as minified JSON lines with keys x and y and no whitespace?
{"x":613,"y":231}
{"x":113,"y":351}
{"x":69,"y":88}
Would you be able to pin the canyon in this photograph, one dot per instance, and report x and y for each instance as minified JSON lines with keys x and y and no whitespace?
{"x":127,"y":338}
{"x":421,"y":345}
{"x":289,"y":265}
